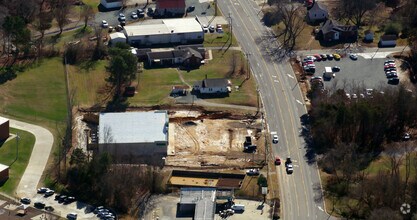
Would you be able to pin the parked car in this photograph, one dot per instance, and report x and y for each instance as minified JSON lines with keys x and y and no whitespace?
{"x":249,"y":148}
{"x":72,"y":216}
{"x":211,"y":28}
{"x":406,"y":136}
{"x":123,"y":23}
{"x":42,"y":190}
{"x":353,"y":56}
{"x":329,"y":56}
{"x":392,"y":75}
{"x":318,"y":57}
{"x":252,"y":172}
{"x":275,"y":138}
{"x":49,"y":192}
{"x":69,"y":200}
{"x":205,"y":28}
{"x":277,"y":161}
{"x":393,"y":80}
{"x":336,"y":56}
{"x":39,"y":205}
{"x":354,"y":96}
{"x":62,"y":198}
{"x":122,"y":17}
{"x":96,"y":210}
{"x":25,"y":200}
{"x":336,"y":68}
{"x":104,"y":24}
{"x":49,"y":208}
{"x":323,"y":57}
{"x":134,"y":15}
{"x":190,"y":8}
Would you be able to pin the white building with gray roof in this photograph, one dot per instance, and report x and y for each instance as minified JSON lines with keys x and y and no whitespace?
{"x":129,"y":137}
{"x":164,"y":31}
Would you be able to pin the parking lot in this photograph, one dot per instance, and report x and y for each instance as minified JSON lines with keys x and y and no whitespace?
{"x":355,"y":74}
{"x":164,"y":207}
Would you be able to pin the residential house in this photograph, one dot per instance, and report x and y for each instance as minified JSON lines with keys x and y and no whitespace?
{"x":213,"y":86}
{"x":388,"y":41}
{"x":185,"y":56}
{"x":170,"y":8}
{"x":317,"y":13}
{"x":332,"y":31}
{"x":110,"y":4}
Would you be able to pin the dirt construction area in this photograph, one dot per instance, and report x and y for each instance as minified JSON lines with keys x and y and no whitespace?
{"x":212,"y":140}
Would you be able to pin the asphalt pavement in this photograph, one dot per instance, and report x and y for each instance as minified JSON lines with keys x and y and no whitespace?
{"x":301,"y":193}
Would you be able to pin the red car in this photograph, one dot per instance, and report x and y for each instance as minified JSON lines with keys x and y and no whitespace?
{"x":277,"y":161}
{"x":317,"y":56}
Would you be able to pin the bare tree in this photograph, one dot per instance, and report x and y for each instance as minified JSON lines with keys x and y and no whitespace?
{"x":61,"y":12}
{"x":86,"y":14}
{"x":42,"y":23}
{"x":293,"y":20}
{"x":355,"y":10}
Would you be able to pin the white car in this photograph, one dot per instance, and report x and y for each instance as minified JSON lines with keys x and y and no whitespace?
{"x":252,"y":172}
{"x":205,"y":28}
{"x":104,"y":24}
{"x":211,"y":28}
{"x":122,"y":17}
{"x":134,"y":15}
{"x":353,"y":56}
{"x":275,"y":138}
{"x":290,"y":169}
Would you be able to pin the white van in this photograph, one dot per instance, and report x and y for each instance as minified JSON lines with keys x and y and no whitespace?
{"x":238,"y":207}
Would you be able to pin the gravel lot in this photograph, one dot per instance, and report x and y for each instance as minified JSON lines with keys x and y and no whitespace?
{"x":355,"y":74}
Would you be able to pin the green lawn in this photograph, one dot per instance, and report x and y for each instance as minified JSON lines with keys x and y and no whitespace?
{"x":155,"y":86}
{"x":219,"y":40}
{"x":8,"y":155}
{"x":86,"y":82}
{"x":37,"y":94}
{"x":383,"y":164}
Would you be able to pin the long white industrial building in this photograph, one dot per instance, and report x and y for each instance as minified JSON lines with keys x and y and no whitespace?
{"x":164,"y":31}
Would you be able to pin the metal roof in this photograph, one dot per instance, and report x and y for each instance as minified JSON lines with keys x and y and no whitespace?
{"x":163,"y":26}
{"x":204,"y":200}
{"x":133,"y":127}
{"x":117,"y":35}
{"x":3,"y":120}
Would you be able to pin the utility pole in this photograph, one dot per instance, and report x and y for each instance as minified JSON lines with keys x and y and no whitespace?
{"x":231,"y":28}
{"x":17,"y":145}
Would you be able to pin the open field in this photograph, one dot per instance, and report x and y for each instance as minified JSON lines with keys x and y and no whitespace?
{"x":219,"y":40}
{"x":8,"y":156}
{"x":37,"y":94}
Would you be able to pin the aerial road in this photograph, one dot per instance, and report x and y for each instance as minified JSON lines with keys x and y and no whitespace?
{"x":284,"y":105}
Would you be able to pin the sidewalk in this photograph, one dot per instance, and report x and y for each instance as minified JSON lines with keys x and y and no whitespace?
{"x":40,"y":154}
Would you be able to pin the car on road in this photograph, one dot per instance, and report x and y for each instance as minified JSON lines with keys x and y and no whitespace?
{"x":39,"y":205}
{"x":42,"y":190}
{"x":25,"y":200}
{"x":277,"y":161}
{"x":275,"y":138}
{"x":49,"y":192}
{"x":122,"y":17}
{"x":336,"y":68}
{"x":252,"y":172}
{"x":104,"y":24}
{"x":336,"y":56}
{"x":134,"y":15}
{"x":288,"y":166}
{"x":353,"y":56}
{"x":71,"y":216}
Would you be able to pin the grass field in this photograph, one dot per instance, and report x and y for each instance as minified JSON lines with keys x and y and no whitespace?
{"x":219,"y":40}
{"x":8,"y":155}
{"x":86,"y":82}
{"x":37,"y":95}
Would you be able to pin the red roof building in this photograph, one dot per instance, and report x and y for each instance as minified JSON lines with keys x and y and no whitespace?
{"x":170,"y":8}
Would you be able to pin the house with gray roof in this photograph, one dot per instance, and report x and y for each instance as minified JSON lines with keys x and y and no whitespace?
{"x":332,"y":31}
{"x":317,"y":13}
{"x":213,"y":86}
{"x":185,"y":56}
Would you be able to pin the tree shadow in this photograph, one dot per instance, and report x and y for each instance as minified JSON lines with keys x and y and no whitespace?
{"x":117,"y":104}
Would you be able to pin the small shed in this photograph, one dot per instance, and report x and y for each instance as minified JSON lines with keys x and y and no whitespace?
{"x":117,"y":37}
{"x":369,"y":36}
{"x":179,"y":91}
{"x":110,"y":4}
{"x":4,"y":128}
{"x":388,"y":41}
{"x":4,"y":173}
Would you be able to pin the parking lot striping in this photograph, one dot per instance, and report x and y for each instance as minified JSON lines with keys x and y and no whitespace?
{"x":321,"y":209}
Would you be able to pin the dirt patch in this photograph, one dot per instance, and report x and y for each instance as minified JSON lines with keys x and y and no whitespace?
{"x":301,"y":78}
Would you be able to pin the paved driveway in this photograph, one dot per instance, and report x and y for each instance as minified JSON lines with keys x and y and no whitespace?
{"x":38,"y":159}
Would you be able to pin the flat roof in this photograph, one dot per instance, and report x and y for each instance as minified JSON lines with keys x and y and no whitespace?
{"x":3,"y":120}
{"x":193,"y":181}
{"x":163,"y":26}
{"x":117,"y":35}
{"x":133,"y":127}
{"x":3,"y":167}
{"x":204,"y":200}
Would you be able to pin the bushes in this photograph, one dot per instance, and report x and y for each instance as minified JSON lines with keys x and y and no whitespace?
{"x":6,"y":74}
{"x":393,"y":28}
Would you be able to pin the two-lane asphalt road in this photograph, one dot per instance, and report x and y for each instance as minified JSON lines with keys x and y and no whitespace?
{"x":284,"y":105}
